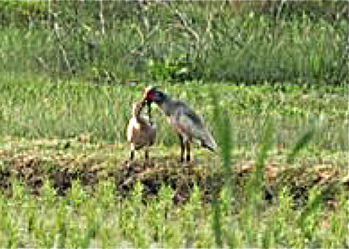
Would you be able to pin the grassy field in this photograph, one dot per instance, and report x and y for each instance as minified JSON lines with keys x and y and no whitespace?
{"x":35,"y":107}
{"x":269,"y":78}
{"x":113,"y":43}
{"x":88,"y":195}
{"x":66,"y":180}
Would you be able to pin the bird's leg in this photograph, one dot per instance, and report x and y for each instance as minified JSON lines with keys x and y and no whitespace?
{"x":149,"y":112}
{"x":146,"y":153}
{"x":188,"y":150}
{"x":132,"y":155}
{"x":182,"y":147}
{"x":132,"y":152}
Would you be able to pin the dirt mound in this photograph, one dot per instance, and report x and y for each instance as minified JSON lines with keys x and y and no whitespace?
{"x":61,"y":170}
{"x":33,"y":171}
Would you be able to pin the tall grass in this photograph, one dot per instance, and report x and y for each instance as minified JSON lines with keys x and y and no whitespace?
{"x":36,"y":107}
{"x":55,"y":57}
{"x":237,"y":217}
{"x":255,"y":230}
{"x":117,"y":42}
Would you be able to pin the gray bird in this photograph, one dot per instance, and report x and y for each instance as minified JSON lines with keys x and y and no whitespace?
{"x":187,"y":124}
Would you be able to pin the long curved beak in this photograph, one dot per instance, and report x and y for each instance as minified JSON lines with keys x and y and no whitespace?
{"x":149,"y":110}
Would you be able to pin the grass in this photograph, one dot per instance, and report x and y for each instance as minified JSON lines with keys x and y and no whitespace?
{"x":167,"y":204}
{"x":64,"y":168}
{"x":269,"y":83}
{"x":37,"y":107}
{"x":285,"y":43}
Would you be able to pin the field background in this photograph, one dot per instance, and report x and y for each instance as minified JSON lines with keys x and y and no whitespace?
{"x":270,"y":79}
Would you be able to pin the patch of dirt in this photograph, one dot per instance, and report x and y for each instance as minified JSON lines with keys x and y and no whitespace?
{"x":153,"y":174}
{"x":33,"y":171}
{"x":61,"y":170}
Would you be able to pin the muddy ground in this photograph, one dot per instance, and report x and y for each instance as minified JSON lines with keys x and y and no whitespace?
{"x":33,"y":168}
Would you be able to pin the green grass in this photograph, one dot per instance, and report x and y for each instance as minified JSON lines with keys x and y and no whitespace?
{"x":67,"y":138}
{"x":93,"y":215}
{"x":37,"y":107}
{"x":268,"y":78}
{"x":287,"y":42}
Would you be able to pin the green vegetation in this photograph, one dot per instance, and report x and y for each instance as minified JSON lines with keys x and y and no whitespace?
{"x":283,"y":170}
{"x":269,"y":78}
{"x":86,"y":195}
{"x":112,"y":42}
{"x":36,"y":107}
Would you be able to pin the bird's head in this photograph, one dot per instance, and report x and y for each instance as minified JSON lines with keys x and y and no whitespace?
{"x":153,"y":94}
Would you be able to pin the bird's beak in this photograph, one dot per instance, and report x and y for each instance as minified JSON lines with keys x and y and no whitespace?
{"x":149,"y":109}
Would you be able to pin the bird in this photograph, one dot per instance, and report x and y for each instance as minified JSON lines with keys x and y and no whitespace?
{"x":187,"y":124}
{"x":141,"y":132}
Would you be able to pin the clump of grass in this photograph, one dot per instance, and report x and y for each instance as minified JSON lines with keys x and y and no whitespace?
{"x":302,"y":142}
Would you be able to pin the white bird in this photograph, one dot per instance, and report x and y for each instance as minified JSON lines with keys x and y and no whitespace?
{"x":183,"y":119}
{"x":140,"y":132}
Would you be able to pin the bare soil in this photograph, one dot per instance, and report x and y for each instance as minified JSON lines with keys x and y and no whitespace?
{"x":34,"y":168}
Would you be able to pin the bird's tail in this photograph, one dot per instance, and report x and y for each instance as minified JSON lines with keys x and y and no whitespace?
{"x":209,"y":143}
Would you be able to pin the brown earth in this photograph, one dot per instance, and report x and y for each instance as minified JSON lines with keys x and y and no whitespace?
{"x":33,"y":169}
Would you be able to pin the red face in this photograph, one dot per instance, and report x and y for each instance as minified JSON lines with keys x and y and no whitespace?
{"x":150,"y":94}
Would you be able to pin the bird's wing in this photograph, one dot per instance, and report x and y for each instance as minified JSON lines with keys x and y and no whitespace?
{"x":200,"y":131}
{"x":190,"y":125}
{"x":186,"y":121}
